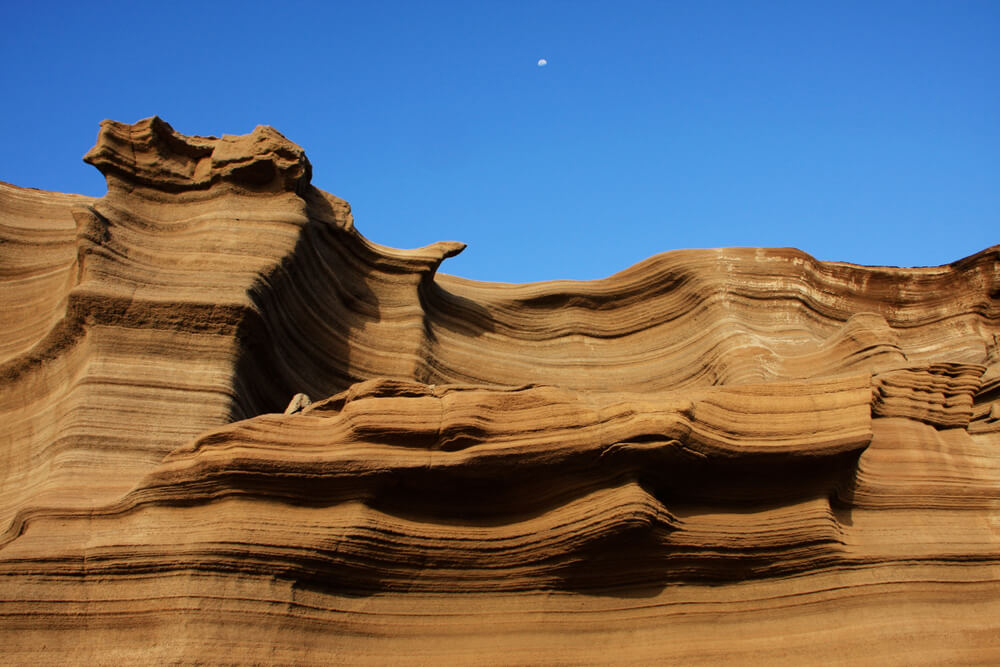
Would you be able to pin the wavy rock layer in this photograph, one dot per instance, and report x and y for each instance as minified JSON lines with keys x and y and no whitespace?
{"x":714,"y":455}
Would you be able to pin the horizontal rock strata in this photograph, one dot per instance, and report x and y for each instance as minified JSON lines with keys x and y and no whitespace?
{"x":239,"y":431}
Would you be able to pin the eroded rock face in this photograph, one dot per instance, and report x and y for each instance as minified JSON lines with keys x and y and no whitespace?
{"x":713,"y":455}
{"x":150,"y":153}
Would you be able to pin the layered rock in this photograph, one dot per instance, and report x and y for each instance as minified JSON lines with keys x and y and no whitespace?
{"x":713,"y":454}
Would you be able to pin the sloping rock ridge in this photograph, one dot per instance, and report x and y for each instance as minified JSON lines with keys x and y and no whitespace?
{"x":238,"y":431}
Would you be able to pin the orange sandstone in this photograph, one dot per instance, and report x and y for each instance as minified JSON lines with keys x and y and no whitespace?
{"x":715,"y":455}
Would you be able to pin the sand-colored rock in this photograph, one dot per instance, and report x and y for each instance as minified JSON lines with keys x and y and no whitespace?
{"x":237,"y":431}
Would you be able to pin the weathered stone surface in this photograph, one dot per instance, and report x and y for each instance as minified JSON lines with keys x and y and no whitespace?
{"x":735,"y":454}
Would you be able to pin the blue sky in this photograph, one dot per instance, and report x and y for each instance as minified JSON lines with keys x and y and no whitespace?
{"x":866,"y":132}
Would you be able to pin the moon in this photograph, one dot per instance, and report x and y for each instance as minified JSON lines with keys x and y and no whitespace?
{"x":542,"y":62}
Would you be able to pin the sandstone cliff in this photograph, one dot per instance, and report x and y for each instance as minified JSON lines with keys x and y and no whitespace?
{"x":734,"y":454}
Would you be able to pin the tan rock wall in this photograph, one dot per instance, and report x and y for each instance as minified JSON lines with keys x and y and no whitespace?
{"x":715,"y":455}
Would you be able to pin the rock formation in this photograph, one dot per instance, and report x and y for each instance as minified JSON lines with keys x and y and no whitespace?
{"x":237,"y":431}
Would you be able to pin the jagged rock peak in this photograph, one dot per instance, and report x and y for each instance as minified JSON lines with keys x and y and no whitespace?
{"x":151,"y":153}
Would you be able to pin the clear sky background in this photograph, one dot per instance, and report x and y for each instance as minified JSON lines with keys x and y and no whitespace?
{"x":866,"y":132}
